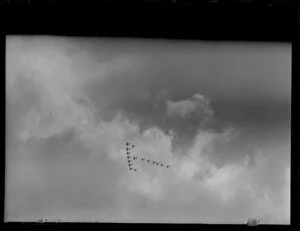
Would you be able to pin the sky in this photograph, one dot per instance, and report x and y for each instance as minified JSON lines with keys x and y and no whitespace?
{"x":73,"y":103}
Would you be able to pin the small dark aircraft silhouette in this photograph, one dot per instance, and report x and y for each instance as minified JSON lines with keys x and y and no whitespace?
{"x":133,"y":146}
{"x":161,"y":165}
{"x":127,"y":143}
{"x":134,"y":157}
{"x":135,"y":169}
{"x":148,"y":161}
{"x":168,"y":166}
{"x":143,"y":159}
{"x":130,"y":169}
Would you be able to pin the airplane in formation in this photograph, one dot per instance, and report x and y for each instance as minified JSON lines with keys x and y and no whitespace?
{"x":143,"y":159}
{"x":153,"y":162}
{"x":128,"y":143}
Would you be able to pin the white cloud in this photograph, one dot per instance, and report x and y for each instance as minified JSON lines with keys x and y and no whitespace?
{"x":59,"y":79}
{"x":150,"y":186}
{"x":188,"y":168}
{"x":225,"y":182}
{"x":196,"y":176}
{"x":197,"y":103}
{"x":274,"y":206}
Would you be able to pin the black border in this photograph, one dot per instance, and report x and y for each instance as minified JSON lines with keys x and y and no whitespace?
{"x":202,"y":19}
{"x":231,"y":20}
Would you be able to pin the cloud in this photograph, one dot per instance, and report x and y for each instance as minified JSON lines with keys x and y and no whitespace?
{"x":87,"y":173}
{"x":58,"y":79}
{"x":197,"y":103}
{"x":274,"y":206}
{"x":196,"y":176}
{"x":46,"y":99}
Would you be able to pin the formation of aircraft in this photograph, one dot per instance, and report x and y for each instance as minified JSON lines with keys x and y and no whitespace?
{"x":130,"y":165}
{"x":153,"y":162}
{"x":131,"y":158}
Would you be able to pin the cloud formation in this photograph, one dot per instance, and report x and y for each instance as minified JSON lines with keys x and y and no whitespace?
{"x":196,"y":104}
{"x":66,"y":158}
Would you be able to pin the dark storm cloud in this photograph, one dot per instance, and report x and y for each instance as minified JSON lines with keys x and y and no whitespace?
{"x":251,"y":75}
{"x":248,"y":86}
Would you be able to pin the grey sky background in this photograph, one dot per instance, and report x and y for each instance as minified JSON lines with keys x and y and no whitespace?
{"x":225,"y":105}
